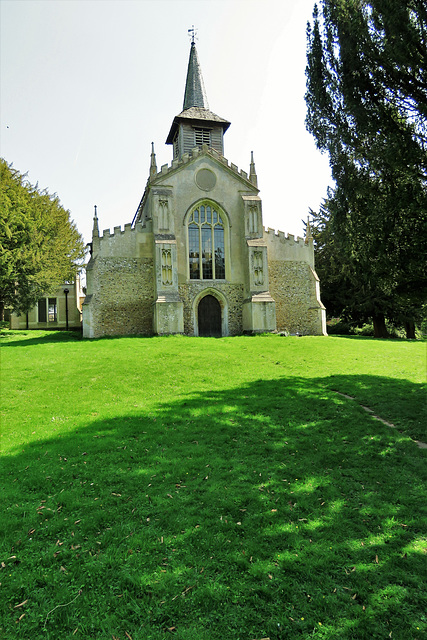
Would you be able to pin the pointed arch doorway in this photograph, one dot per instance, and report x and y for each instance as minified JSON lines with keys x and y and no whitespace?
{"x":209,"y":317}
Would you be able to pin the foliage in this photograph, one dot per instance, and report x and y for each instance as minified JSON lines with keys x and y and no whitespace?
{"x":212,"y":489}
{"x":366,"y":106}
{"x":39,"y":245}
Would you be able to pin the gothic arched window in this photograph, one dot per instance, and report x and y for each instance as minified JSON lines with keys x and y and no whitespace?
{"x":206,"y":243}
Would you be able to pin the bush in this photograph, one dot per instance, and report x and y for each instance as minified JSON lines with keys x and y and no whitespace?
{"x":337,"y":327}
{"x":364,"y":330}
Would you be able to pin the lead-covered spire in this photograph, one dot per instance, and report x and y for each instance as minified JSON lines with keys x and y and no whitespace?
{"x":195,"y":93}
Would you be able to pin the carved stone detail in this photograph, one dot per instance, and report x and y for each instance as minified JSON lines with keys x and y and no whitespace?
{"x":163,"y":213}
{"x":253,"y":218}
{"x":167,"y":278}
{"x":258,"y":268}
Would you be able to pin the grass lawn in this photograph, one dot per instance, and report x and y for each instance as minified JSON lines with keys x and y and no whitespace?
{"x":209,"y":489}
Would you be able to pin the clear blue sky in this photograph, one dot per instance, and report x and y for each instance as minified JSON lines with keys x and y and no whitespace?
{"x":87,"y":85}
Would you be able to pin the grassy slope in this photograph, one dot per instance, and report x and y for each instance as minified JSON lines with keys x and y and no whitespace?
{"x":218,"y":488}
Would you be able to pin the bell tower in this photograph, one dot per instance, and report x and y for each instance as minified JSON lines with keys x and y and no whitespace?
{"x":196,"y":124}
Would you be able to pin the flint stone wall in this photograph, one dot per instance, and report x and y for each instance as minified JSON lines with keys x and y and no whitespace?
{"x":124,"y":296}
{"x":293,"y":287}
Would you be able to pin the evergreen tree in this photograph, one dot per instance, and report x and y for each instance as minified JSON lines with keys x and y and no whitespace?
{"x":40,"y":246}
{"x":367,"y":107}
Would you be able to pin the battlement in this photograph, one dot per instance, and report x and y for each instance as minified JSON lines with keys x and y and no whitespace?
{"x":194,"y":153}
{"x":117,"y":231}
{"x":281,"y":236}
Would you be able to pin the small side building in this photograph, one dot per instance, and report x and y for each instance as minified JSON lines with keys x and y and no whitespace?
{"x":61,"y":310}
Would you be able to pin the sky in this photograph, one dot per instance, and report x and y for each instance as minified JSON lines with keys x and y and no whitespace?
{"x":87,"y":85}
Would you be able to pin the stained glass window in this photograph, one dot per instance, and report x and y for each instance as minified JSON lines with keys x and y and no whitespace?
{"x":206,"y":244}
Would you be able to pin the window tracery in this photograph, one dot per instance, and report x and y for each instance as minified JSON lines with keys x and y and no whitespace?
{"x":206,"y":243}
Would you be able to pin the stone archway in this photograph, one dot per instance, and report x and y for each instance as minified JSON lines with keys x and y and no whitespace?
{"x":209,"y":317}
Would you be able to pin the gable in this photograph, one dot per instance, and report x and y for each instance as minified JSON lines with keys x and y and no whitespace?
{"x":206,"y":158}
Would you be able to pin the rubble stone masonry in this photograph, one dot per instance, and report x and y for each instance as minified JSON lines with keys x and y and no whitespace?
{"x":293,"y":285}
{"x":124,"y":296}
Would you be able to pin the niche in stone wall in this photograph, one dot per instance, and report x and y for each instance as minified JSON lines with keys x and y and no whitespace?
{"x":167,"y":278}
{"x":163,"y":214}
{"x":258,"y":268}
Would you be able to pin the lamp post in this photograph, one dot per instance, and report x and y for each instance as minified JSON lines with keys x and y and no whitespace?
{"x":66,"y":291}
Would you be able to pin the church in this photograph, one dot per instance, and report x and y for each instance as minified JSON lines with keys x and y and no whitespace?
{"x":196,"y":258}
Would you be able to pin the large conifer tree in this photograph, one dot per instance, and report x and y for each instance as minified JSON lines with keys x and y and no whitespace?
{"x":367,"y":107}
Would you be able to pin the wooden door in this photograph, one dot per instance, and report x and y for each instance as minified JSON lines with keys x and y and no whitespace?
{"x":209,"y":317}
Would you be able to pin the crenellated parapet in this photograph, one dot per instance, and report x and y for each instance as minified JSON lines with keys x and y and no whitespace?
{"x":123,"y":241}
{"x":282,"y":246}
{"x":284,"y":237}
{"x":117,"y":231}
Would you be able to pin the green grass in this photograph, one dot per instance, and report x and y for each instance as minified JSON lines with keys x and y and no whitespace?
{"x":212,"y":488}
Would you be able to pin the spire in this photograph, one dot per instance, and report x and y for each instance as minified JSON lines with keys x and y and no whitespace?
{"x":252,"y":172}
{"x":195,"y":94}
{"x":153,"y":165}
{"x":196,"y":115}
{"x":95,"y":230}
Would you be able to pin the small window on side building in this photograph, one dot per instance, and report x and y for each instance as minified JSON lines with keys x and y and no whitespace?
{"x":52,"y":310}
{"x":42,"y":310}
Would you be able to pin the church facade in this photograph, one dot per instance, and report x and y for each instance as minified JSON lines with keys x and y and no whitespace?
{"x":196,"y":258}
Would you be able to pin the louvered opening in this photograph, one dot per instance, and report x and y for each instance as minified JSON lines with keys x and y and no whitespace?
{"x":216,"y":140}
{"x":202,"y":136}
{"x":176,"y":145}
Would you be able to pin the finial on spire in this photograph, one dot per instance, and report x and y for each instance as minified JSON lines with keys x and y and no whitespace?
{"x":192,"y":34}
{"x":252,"y":172}
{"x":153,"y":165}
{"x":95,"y":230}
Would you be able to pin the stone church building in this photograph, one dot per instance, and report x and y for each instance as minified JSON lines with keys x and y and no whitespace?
{"x":196,"y":258}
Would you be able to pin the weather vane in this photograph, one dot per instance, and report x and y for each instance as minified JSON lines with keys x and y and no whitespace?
{"x":192,"y":33}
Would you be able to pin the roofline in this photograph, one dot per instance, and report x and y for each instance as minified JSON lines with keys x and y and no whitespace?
{"x":224,"y":124}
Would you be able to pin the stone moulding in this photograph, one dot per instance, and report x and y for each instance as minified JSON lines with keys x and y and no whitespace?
{"x":196,"y":152}
{"x":222,"y":299}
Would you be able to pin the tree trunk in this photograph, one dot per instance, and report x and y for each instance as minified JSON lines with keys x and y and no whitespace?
{"x":1,"y":310}
{"x":410,"y":329}
{"x":380,"y":330}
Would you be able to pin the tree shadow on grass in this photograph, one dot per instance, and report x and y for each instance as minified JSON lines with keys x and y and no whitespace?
{"x":9,"y":338}
{"x":396,"y":401}
{"x":390,"y":339}
{"x":276,"y":509}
